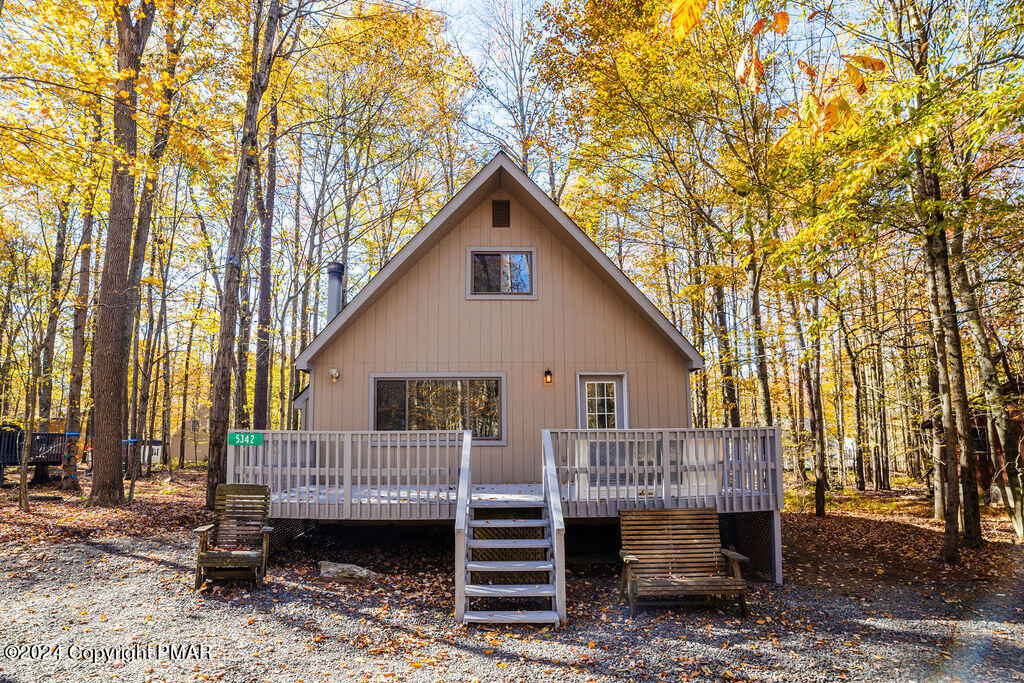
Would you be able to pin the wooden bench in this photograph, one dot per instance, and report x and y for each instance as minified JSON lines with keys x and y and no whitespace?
{"x":675,"y":556}
{"x":236,"y":545}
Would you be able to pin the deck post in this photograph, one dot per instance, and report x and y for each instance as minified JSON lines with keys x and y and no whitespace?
{"x":232,"y":456}
{"x":347,"y":475}
{"x":666,"y":470}
{"x":559,"y":544}
{"x":777,"y":547}
{"x":462,"y":524}
{"x":777,"y":457}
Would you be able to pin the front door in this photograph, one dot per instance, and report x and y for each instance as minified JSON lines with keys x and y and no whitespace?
{"x":602,"y":402}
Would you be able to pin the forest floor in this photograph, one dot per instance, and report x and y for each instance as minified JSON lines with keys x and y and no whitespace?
{"x":865,"y":598}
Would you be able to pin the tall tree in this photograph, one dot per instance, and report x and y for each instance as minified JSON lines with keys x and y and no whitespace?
{"x":265,"y":47}
{"x":265,"y":208}
{"x":110,"y":360}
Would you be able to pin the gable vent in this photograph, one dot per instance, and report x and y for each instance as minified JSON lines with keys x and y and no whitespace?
{"x":501,"y":213}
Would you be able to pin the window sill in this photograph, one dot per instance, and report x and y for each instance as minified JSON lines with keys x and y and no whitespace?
{"x":501,"y":297}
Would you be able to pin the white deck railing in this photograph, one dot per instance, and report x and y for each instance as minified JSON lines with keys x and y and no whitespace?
{"x":415,"y":475}
{"x":556,"y":520}
{"x":353,"y":475}
{"x":733,"y":470}
{"x":462,"y":525}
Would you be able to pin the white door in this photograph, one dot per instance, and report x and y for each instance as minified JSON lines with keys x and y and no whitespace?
{"x":602,"y":402}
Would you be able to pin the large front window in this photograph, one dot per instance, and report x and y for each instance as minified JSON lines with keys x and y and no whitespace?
{"x":439,"y":403}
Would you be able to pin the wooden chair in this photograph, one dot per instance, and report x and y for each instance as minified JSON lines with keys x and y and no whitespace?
{"x":674,"y":556}
{"x":236,"y":545}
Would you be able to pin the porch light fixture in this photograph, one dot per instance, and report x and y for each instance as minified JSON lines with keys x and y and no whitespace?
{"x":547,"y":377}
{"x":334,"y":375}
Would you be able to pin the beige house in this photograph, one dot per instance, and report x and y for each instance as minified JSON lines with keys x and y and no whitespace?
{"x":502,"y":373}
{"x":501,"y":316}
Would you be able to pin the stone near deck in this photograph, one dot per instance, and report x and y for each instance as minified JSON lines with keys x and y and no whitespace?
{"x":346,"y":573}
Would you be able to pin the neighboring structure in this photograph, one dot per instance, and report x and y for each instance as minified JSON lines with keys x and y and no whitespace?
{"x":503,"y":321}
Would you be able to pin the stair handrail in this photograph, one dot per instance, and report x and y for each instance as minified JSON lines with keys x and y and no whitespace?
{"x":462,"y":523}
{"x":556,"y":520}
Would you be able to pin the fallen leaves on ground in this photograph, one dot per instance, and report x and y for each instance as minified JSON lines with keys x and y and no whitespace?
{"x":160,"y":506}
{"x":871,"y":537}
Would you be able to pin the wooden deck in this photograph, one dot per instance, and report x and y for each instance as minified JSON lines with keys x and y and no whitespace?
{"x":336,"y":476}
{"x":398,"y":476}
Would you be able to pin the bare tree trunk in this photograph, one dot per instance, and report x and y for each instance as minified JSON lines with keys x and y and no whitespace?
{"x":31,"y":387}
{"x":41,"y":475}
{"x":293,"y":374}
{"x":753,"y":270}
{"x":700,"y":413}
{"x":951,"y":513}
{"x":958,"y":386}
{"x":816,"y":415}
{"x":53,"y":309}
{"x":265,"y":208}
{"x":144,"y":374}
{"x":69,"y":473}
{"x":938,"y":446}
{"x":185,"y":379}
{"x":132,"y":418}
{"x":7,"y":337}
{"x":110,"y":364}
{"x":994,"y":398}
{"x":248,"y":153}
{"x":840,"y":408}
{"x":242,"y":357}
{"x":165,"y":421}
{"x":730,"y":390}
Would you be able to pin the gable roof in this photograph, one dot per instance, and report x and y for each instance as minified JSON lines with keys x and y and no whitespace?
{"x":500,"y":172}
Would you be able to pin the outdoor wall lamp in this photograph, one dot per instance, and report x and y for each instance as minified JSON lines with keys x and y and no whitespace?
{"x":547,"y":377}
{"x":334,"y":375}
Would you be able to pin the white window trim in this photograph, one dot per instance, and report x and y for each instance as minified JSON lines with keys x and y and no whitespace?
{"x":470,"y":295}
{"x":581,"y":418}
{"x":500,"y":376}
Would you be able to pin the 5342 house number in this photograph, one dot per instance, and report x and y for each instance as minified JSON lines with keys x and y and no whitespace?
{"x":245,"y":439}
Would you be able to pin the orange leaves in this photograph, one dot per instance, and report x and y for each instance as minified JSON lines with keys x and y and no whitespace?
{"x":870,"y":63}
{"x":780,"y":22}
{"x":686,"y":14}
{"x":838,"y":111}
{"x":749,"y":69}
{"x":821,"y":117}
{"x":856,"y":79}
{"x":807,"y":69}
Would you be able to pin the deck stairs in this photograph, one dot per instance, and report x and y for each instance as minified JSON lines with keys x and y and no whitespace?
{"x":509,"y":548}
{"x":509,"y":561}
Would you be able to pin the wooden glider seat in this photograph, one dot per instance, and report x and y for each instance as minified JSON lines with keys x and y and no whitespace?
{"x":673,"y":556}
{"x":237,"y":544}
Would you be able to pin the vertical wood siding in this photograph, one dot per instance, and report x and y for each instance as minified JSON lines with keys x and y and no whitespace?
{"x":578,"y":323}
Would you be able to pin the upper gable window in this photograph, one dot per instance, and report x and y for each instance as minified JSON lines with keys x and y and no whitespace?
{"x":501,"y":273}
{"x":501,"y":213}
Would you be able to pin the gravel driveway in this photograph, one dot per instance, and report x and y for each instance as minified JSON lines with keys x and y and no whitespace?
{"x":117,"y":599}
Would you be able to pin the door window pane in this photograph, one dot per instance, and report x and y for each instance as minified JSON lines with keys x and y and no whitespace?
{"x":601,"y":405}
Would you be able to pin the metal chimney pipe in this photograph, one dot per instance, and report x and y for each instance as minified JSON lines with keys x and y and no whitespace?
{"x":335,"y":275}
